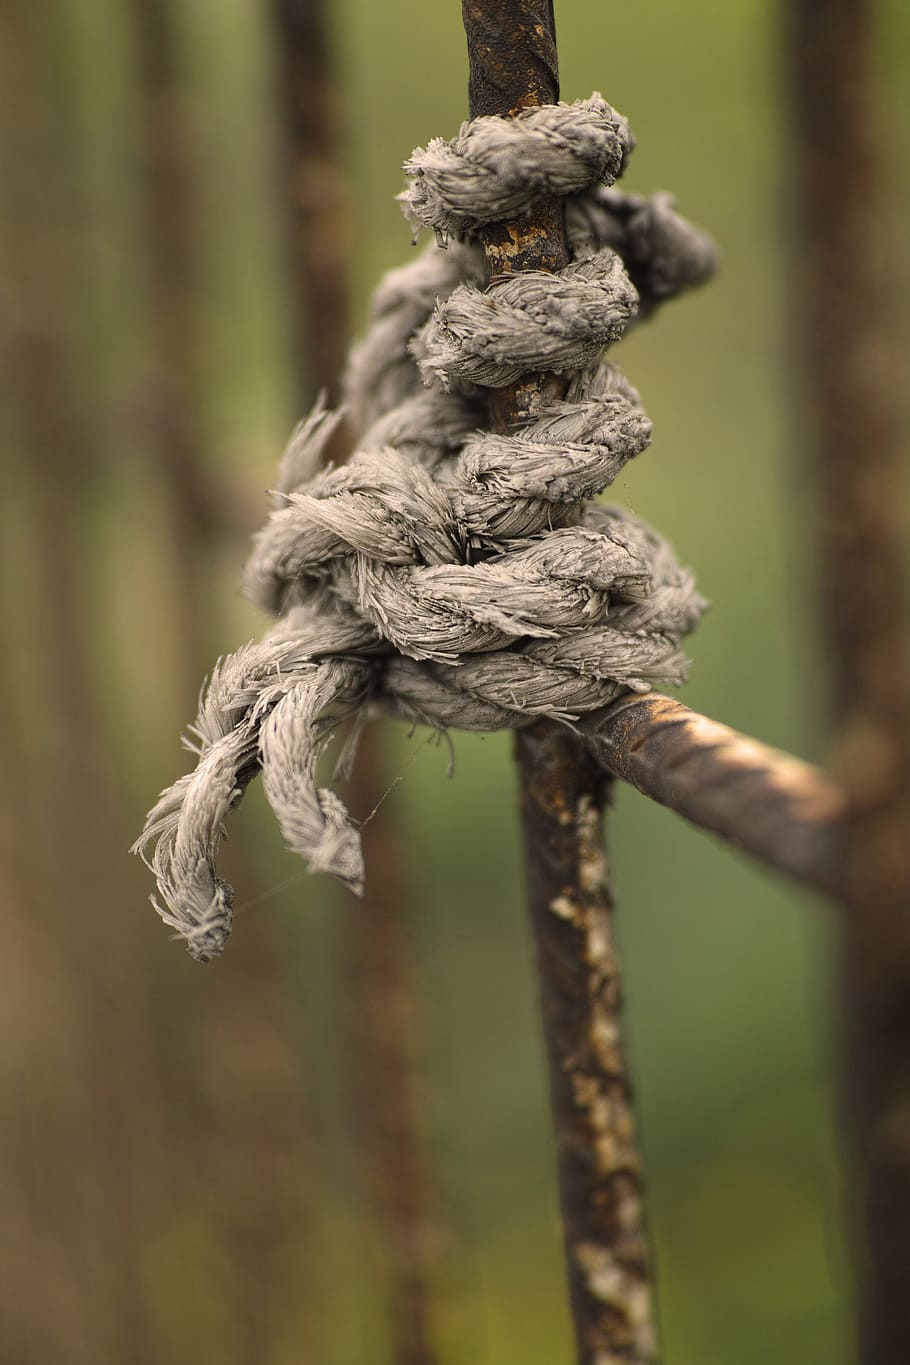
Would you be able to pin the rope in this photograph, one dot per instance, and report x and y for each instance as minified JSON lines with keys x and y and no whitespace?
{"x":446,"y":574}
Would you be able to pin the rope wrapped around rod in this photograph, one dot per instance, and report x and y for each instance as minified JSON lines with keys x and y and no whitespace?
{"x":446,"y":574}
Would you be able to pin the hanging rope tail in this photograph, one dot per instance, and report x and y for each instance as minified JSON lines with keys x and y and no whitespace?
{"x":446,"y":574}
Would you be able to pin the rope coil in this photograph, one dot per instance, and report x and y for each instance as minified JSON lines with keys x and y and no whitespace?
{"x":447,"y":574}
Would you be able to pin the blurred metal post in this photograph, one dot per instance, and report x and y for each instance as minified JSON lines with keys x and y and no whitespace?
{"x":313,"y":199}
{"x":86,"y":1090}
{"x":171,"y":253}
{"x":382,"y":999}
{"x":249,"y":1112}
{"x":845,"y":285}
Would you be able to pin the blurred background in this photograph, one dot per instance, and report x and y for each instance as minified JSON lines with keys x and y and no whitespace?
{"x":325,"y":1148}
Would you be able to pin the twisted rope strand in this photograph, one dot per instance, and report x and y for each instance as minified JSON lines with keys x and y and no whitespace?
{"x":448,"y":574}
{"x":498,"y":167}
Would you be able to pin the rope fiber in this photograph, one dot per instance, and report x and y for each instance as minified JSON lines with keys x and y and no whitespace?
{"x":446,"y":574}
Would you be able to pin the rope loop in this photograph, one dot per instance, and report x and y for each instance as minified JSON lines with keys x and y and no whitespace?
{"x":498,"y":167}
{"x":450,"y":575}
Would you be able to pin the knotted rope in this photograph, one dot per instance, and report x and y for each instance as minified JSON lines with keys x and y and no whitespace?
{"x":446,"y":574}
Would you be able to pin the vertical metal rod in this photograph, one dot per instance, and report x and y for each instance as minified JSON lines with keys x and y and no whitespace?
{"x":381,"y":969}
{"x":86,"y":1216}
{"x":265,"y":1227}
{"x":172,"y":244}
{"x":513,"y":64}
{"x":845,"y":284}
{"x":315,"y":212}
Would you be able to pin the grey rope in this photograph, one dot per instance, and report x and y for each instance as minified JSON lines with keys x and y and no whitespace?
{"x":446,"y":574}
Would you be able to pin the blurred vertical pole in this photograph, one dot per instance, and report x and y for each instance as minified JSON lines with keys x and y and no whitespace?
{"x":846,"y":284}
{"x":81,"y":1113}
{"x":513,"y":65}
{"x":383,"y":1006}
{"x":315,"y":213}
{"x":250,"y":1118}
{"x":171,"y":247}
{"x":386,"y":1027}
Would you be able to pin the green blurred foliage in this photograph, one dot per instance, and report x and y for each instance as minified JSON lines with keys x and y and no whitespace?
{"x":181,"y":1157}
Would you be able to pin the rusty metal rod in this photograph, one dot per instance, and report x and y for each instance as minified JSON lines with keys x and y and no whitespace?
{"x":845,"y":287}
{"x":786,"y":813}
{"x":513,"y":65}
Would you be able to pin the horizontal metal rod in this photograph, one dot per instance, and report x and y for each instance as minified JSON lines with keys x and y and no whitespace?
{"x":778,"y":809}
